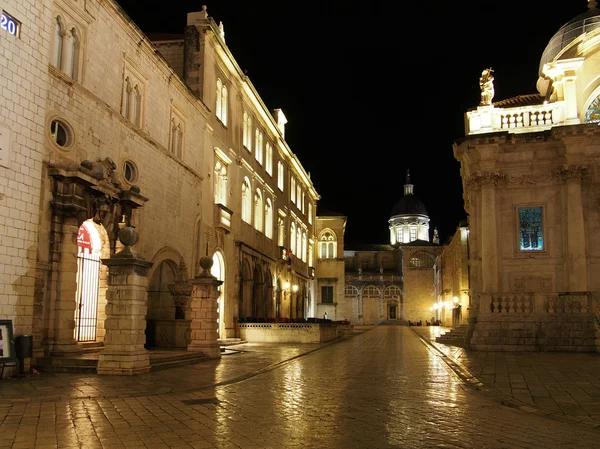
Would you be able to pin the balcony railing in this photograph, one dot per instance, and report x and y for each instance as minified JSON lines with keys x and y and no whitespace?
{"x":521,"y":119}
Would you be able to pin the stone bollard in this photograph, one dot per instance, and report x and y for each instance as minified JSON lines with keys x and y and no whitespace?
{"x":126,"y":308}
{"x":204,"y":315}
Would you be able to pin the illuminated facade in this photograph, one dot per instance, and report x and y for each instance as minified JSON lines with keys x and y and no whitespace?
{"x":135,"y":135}
{"x":377,"y":283}
{"x":531,"y":177}
{"x":409,"y":220}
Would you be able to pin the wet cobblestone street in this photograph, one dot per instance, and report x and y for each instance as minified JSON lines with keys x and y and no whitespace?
{"x":378,"y":389}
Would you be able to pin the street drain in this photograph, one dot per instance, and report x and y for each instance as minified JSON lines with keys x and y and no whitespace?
{"x":201,"y":401}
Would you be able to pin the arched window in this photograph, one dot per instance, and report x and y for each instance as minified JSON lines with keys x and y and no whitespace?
{"x":221,"y":102}
{"x":258,"y":210}
{"x":57,"y":45}
{"x":269,"y":218}
{"x":421,"y":260}
{"x":299,"y":242}
{"x":327,"y":245}
{"x":73,"y":69}
{"x":258,"y":146}
{"x":269,"y":158}
{"x":293,"y":237}
{"x":280,"y":231}
{"x":220,"y":183}
{"x":246,"y":201}
{"x":247,"y":132}
{"x":304,"y":246}
{"x":218,"y":100}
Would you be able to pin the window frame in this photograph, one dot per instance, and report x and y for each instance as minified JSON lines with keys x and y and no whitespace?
{"x":530,"y":252}
{"x":331,"y":295}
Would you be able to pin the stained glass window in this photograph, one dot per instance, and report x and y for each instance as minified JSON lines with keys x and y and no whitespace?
{"x":592,"y":115}
{"x":531,"y":233}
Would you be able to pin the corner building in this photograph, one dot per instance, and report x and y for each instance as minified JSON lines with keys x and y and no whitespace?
{"x":530,"y":173}
{"x":167,"y":136}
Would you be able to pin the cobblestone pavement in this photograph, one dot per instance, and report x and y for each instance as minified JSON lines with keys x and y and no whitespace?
{"x":382,"y":388}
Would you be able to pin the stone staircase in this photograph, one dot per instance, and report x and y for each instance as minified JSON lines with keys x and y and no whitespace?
{"x":457,"y":336}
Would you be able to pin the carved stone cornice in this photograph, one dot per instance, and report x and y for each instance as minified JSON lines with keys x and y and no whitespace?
{"x":481,"y":178}
{"x":570,"y":172}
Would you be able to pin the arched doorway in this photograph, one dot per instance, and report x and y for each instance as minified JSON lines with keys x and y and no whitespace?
{"x":89,"y":250}
{"x":218,"y":271}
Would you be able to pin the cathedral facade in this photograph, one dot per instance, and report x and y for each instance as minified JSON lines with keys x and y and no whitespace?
{"x":376,"y":283}
{"x":531,"y":176}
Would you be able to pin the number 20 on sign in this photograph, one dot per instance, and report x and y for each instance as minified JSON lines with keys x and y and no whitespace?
{"x":10,"y":24}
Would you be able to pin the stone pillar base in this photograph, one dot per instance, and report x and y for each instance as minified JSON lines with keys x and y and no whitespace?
{"x":210,"y":350}
{"x":125,"y":363}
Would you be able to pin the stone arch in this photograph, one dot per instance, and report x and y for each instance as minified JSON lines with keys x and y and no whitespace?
{"x":90,"y":321}
{"x":246,"y":290}
{"x":269,"y":295}
{"x":258,"y":292}
{"x":218,"y":271}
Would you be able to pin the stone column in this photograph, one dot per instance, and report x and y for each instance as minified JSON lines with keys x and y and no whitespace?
{"x":126,"y":308}
{"x":576,"y":259}
{"x":204,"y":314}
{"x":489,"y":246}
{"x":63,"y":282}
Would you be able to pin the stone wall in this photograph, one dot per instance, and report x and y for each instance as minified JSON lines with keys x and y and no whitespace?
{"x":23,"y":92}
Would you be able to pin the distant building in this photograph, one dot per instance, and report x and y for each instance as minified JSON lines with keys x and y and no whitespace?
{"x":391,"y":282}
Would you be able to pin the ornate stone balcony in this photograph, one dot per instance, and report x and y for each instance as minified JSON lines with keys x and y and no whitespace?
{"x":521,"y":119}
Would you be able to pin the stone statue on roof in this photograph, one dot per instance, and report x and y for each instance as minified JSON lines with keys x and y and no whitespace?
{"x":486,"y":84}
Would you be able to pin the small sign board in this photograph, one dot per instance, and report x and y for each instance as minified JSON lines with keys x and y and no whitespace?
{"x":7,"y":343}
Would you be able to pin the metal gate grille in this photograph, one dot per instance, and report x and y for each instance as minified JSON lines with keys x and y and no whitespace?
{"x":86,"y":313}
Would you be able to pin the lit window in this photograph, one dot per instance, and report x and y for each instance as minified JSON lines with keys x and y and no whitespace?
{"x":293,"y":189}
{"x":269,"y":159}
{"x":293,"y":238}
{"x":421,"y":260}
{"x":247,"y":132}
{"x":310,"y":254}
{"x":413,"y":234}
{"x":310,"y":219}
{"x":258,"y":210}
{"x":258,"y":146}
{"x":221,"y":102}
{"x":280,"y":231}
{"x":220,"y":183}
{"x":304,"y":246}
{"x":327,"y":245}
{"x":280,"y":176}
{"x":269,"y":218}
{"x":298,"y":195}
{"x":246,"y":201}
{"x":531,"y":230}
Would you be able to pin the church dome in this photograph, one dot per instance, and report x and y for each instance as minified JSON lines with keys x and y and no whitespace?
{"x":409,"y":205}
{"x":579,"y":25}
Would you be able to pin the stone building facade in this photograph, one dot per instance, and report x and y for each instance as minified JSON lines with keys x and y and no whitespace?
{"x":451,"y":280}
{"x":530,"y":175}
{"x":391,"y":282}
{"x":97,"y":138}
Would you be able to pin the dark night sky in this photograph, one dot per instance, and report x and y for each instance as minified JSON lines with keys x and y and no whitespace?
{"x":371,"y":89}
